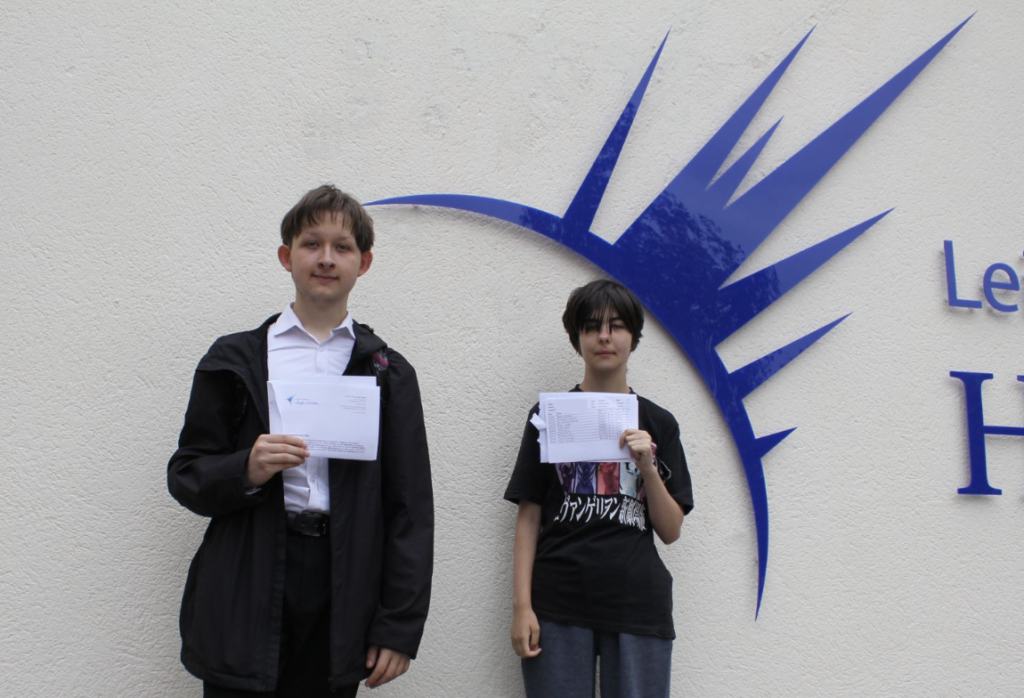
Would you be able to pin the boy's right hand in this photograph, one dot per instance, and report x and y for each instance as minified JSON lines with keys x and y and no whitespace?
{"x":525,"y":633}
{"x":271,"y":454}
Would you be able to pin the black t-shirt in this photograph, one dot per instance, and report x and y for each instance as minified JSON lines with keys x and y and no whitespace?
{"x":596,"y":564}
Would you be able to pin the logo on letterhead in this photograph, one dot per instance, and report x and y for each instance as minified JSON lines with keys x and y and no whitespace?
{"x":679,"y":252}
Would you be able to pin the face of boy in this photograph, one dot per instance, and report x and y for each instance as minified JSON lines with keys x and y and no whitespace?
{"x":605,"y":344}
{"x":324,"y":262}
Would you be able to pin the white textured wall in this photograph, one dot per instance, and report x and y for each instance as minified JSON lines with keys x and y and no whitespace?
{"x":147,"y":156}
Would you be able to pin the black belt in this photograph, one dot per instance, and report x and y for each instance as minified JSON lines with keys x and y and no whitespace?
{"x":309,"y":523}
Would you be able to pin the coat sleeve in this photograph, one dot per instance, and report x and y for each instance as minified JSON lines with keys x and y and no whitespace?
{"x":205,"y":473}
{"x":408,"y":503}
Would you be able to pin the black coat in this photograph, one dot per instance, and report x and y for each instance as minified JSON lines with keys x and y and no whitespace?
{"x":382,"y":523}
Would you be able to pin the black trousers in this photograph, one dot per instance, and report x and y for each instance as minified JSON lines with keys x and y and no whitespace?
{"x":305,"y":626}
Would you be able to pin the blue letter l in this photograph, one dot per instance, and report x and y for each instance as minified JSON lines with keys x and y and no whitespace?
{"x":951,"y":282}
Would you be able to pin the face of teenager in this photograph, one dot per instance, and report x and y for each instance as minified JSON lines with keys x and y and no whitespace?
{"x":605,"y":344}
{"x":324,"y":262}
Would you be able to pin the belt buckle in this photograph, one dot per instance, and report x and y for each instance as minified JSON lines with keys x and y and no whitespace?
{"x":308,"y":523}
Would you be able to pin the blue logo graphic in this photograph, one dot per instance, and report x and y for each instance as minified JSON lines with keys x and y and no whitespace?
{"x":289,"y":399}
{"x":678,"y":253}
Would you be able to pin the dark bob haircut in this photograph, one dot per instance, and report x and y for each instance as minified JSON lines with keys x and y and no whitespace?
{"x":592,"y":300}
{"x":328,"y":200}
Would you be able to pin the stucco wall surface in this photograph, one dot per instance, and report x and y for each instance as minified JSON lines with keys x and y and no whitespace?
{"x":149,"y":151}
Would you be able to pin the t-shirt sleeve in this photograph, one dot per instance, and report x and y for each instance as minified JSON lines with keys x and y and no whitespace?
{"x":672,"y":465}
{"x":528,"y":482}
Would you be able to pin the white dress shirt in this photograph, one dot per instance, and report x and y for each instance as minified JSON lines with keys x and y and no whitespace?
{"x":293,"y":353}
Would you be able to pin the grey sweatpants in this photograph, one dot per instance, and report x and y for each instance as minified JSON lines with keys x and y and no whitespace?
{"x":632,"y":666}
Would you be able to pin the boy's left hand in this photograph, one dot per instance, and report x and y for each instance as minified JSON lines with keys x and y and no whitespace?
{"x":639,"y":443}
{"x":386,"y":664}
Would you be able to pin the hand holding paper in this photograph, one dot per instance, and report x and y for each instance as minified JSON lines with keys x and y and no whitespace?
{"x":640,"y":447}
{"x":271,"y":454}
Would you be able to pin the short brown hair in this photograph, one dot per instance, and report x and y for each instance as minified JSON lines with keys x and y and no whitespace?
{"x":328,"y":199}
{"x":593,"y":300}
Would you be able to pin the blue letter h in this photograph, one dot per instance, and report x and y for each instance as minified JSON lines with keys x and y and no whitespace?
{"x":977,"y":430}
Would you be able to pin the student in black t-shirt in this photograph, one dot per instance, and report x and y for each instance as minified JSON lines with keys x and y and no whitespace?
{"x":588,"y":578}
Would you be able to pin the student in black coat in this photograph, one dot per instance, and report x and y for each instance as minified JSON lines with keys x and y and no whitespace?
{"x":304,"y":603}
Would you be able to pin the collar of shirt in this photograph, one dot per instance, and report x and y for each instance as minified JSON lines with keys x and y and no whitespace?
{"x":288,"y":320}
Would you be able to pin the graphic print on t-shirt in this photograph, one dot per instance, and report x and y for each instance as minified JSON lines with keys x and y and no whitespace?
{"x":611,"y":491}
{"x":608,"y":479}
